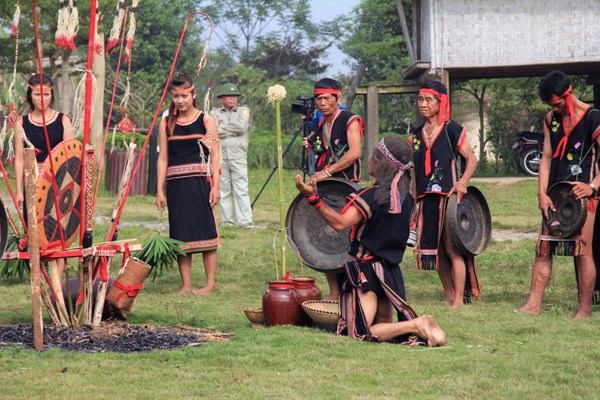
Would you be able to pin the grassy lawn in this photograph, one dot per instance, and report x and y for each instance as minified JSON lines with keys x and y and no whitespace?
{"x":492,"y":353}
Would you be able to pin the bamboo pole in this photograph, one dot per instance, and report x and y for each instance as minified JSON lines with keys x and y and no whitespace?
{"x":101,"y":296}
{"x":280,"y":176}
{"x":60,"y":301}
{"x":31,"y":172}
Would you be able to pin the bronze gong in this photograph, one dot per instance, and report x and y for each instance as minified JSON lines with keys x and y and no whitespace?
{"x":310,"y":237}
{"x":3,"y":229}
{"x":570,"y":212}
{"x":469,"y":223}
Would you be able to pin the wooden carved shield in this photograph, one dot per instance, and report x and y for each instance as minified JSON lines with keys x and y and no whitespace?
{"x":66,"y":159}
{"x":311,"y":238}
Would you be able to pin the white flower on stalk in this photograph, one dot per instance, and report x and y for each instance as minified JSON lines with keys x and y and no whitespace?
{"x":276,"y":93}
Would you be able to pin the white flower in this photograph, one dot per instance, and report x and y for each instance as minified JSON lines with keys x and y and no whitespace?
{"x":576,"y":169}
{"x":436,"y":188}
{"x":276,"y":93}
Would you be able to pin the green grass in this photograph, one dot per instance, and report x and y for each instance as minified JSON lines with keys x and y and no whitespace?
{"x":493,"y":353}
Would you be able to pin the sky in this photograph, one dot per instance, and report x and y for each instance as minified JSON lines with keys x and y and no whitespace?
{"x":323,"y":10}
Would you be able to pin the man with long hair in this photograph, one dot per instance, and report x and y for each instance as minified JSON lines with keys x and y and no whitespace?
{"x":373,"y":284}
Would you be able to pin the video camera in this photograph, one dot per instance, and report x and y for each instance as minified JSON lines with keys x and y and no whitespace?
{"x":306,"y":106}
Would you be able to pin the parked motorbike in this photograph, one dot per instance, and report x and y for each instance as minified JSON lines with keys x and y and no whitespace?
{"x":527,"y":150}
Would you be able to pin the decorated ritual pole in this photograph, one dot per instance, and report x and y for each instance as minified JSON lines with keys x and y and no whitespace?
{"x":87,"y":201}
{"x":275,"y":94}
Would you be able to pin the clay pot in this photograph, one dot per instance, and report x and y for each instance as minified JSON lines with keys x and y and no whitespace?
{"x":307,"y":290}
{"x":281,"y":304}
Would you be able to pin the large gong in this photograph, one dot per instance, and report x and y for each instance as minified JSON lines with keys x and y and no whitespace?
{"x":469,"y":223}
{"x":570,"y":212}
{"x":66,"y":158}
{"x":311,"y":238}
{"x":3,"y":228}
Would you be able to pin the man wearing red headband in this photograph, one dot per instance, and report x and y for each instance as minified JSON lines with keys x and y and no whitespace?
{"x":571,"y":153}
{"x":439,"y":151}
{"x":337,"y":143}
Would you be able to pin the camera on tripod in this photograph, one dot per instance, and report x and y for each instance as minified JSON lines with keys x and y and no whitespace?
{"x":306,"y":106}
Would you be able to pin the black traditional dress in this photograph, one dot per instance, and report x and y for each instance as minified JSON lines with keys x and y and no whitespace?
{"x":329,"y":147}
{"x":438,"y":166}
{"x":191,"y":217}
{"x":377,"y":246}
{"x":575,"y":157}
{"x":34,"y":130}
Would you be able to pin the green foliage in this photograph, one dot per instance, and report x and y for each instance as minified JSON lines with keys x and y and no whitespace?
{"x":14,"y":268}
{"x":160,"y":253}
{"x":376,"y":40}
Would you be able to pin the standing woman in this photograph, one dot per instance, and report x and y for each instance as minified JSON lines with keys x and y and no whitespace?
{"x":439,"y":146}
{"x":188,"y":175}
{"x":58,"y":126}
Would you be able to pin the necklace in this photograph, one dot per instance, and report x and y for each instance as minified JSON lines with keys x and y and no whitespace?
{"x":430,"y":135}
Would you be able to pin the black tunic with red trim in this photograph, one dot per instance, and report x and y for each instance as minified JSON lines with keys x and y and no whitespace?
{"x":330,"y":148}
{"x":380,"y":234}
{"x":191,"y":217}
{"x":579,"y":162}
{"x":35,"y":134}
{"x":377,"y":243}
{"x":443,"y":158}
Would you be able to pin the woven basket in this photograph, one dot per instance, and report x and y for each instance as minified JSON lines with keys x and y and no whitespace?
{"x":132,"y":274}
{"x":323,"y":311}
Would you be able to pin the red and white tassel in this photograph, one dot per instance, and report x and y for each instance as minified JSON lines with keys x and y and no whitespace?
{"x":113,"y":37}
{"x":73,"y":26}
{"x":130,"y":31}
{"x":14,"y":28}
{"x":98,"y":44}
{"x":203,"y":59}
{"x":61,"y":27}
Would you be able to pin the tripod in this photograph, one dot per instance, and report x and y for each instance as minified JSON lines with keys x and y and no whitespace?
{"x":305,"y":129}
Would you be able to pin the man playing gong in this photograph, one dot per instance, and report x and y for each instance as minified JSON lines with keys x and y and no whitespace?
{"x":373,"y":284}
{"x":571,"y":145}
{"x":439,"y":149}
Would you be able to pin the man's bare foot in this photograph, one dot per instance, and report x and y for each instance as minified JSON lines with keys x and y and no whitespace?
{"x":582,"y":314}
{"x":526,"y":309}
{"x":332,"y":296}
{"x":184,"y":290}
{"x":204,"y":290}
{"x":429,"y":330}
{"x":454,"y":306}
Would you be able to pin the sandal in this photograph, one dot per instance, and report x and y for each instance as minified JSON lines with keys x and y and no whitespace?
{"x":552,"y":224}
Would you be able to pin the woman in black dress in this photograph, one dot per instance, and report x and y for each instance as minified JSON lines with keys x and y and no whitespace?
{"x":188,"y":180}
{"x":58,"y":126}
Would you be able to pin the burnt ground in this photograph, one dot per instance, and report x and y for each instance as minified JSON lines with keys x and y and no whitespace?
{"x":119,"y":337}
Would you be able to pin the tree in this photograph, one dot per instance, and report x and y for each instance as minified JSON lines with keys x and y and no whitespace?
{"x":477,"y":89}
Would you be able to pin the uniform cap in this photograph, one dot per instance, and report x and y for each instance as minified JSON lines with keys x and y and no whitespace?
{"x":228,"y":89}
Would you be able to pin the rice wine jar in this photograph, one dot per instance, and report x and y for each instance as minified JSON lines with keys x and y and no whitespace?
{"x":307,"y":290}
{"x":281,"y":304}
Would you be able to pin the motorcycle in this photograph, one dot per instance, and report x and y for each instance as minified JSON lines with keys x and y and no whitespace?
{"x":527,"y":149}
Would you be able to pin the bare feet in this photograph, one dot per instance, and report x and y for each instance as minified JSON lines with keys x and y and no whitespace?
{"x":332,"y":296}
{"x":457,"y":305}
{"x":527,"y":309}
{"x":582,"y":314}
{"x":429,"y":330}
{"x":184,"y":290}
{"x":204,"y":290}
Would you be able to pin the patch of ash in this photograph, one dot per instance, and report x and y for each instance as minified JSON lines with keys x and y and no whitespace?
{"x":117,"y":337}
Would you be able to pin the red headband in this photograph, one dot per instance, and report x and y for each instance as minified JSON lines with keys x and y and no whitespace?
{"x":444,"y":113}
{"x":181,"y":91}
{"x":320,"y":91}
{"x":568,"y":96}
